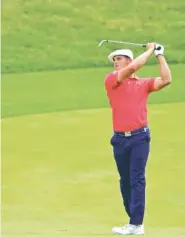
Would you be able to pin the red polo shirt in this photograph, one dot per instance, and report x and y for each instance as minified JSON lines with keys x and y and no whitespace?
{"x":128,"y":101}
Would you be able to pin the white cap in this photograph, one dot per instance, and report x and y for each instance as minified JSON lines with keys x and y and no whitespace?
{"x":122,"y":52}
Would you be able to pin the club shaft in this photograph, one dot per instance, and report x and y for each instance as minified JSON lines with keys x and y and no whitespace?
{"x":123,"y":42}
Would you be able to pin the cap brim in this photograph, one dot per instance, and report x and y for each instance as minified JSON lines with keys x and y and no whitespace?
{"x":113,"y":54}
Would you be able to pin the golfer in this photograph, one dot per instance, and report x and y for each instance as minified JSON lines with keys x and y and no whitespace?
{"x":127,"y":95}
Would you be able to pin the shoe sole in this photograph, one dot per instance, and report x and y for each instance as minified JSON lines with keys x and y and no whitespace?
{"x":126,"y":234}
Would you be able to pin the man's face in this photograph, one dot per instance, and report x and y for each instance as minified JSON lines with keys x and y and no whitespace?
{"x":121,"y":62}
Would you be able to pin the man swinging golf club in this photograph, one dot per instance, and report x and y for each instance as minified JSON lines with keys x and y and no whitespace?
{"x":127,"y":95}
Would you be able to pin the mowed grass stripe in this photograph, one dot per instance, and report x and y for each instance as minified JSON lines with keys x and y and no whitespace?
{"x":59,"y":177}
{"x":35,"y":93}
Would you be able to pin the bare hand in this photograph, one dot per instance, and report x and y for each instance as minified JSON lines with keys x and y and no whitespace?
{"x":151,"y":46}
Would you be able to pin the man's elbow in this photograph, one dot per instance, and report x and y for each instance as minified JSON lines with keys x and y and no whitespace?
{"x":168,"y":81}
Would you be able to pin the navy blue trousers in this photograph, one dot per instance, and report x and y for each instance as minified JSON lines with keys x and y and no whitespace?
{"x":131,"y":154}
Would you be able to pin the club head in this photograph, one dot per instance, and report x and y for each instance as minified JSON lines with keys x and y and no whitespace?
{"x":103,"y":41}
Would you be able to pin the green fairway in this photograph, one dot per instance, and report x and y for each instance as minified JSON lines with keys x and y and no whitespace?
{"x":30,"y":93}
{"x":59,"y":177}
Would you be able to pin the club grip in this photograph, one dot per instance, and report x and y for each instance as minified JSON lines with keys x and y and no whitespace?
{"x":158,"y":48}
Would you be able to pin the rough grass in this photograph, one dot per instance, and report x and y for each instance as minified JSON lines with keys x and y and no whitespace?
{"x":48,"y":35}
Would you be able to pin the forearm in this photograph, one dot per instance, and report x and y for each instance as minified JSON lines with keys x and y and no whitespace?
{"x":164,"y":69}
{"x":141,"y":60}
{"x":136,"y":64}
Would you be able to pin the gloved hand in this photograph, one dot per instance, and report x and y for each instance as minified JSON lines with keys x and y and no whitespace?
{"x":159,"y":51}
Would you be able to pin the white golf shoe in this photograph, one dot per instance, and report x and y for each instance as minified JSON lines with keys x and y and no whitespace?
{"x":129,"y":230}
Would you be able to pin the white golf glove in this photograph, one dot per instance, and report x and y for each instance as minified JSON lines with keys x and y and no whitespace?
{"x":159,"y":51}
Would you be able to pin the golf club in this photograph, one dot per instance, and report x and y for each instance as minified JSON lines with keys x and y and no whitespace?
{"x":123,"y":42}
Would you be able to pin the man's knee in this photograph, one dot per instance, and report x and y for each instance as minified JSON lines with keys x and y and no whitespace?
{"x":138,"y":180}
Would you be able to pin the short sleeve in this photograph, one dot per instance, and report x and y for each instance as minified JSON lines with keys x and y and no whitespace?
{"x":111,"y":80}
{"x":150,"y":84}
